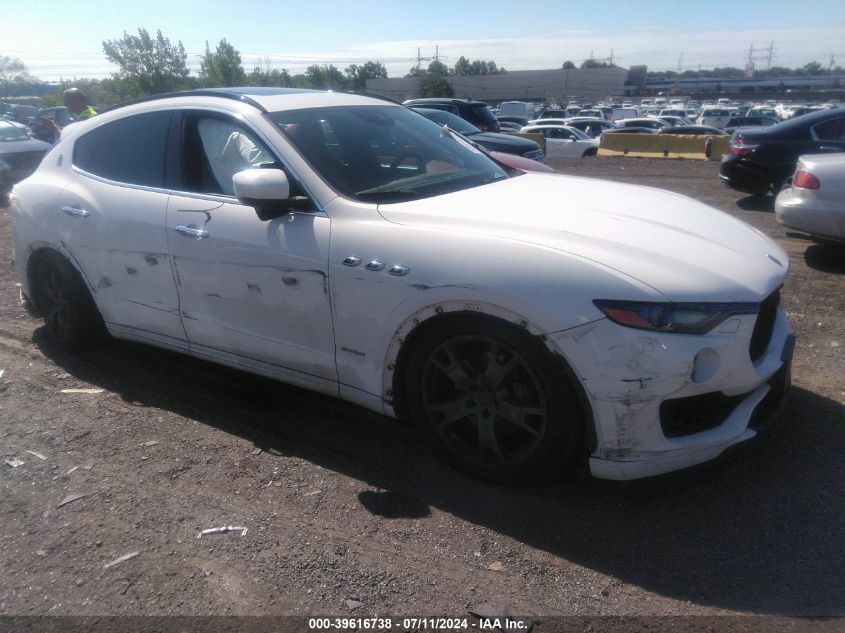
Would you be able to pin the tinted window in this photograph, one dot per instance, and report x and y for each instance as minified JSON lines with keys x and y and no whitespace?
{"x":9,"y":132}
{"x":131,"y":150}
{"x":831,"y":130}
{"x":482,"y":117}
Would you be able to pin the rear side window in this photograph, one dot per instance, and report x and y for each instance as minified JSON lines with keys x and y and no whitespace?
{"x":831,"y":130}
{"x":130,"y":150}
{"x":482,"y":117}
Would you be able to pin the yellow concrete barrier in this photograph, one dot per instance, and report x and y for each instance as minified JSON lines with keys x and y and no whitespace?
{"x":690,"y":146}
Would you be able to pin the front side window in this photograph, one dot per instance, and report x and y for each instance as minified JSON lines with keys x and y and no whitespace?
{"x":214,"y":149}
{"x":130,"y":150}
{"x":385,"y":153}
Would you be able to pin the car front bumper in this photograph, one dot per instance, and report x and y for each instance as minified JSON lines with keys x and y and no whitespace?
{"x":662,"y":402}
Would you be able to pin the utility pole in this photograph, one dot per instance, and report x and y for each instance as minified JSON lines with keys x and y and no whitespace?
{"x":769,"y":56}
{"x":680,"y":61}
{"x":832,"y":61}
{"x":749,"y":64}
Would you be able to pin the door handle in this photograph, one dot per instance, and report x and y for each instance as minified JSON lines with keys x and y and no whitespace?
{"x":192,"y":231}
{"x":80,"y":213}
{"x":829,"y":148}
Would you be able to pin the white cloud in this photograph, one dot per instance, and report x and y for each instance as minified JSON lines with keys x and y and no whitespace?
{"x":652,"y":46}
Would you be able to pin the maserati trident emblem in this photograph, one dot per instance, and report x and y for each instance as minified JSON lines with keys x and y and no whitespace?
{"x":774,"y":259}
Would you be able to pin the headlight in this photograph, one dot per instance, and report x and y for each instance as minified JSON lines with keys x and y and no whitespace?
{"x":680,"y":318}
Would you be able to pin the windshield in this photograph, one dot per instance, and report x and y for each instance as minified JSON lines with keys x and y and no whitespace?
{"x":9,"y":132}
{"x":452,"y":120}
{"x":385,"y":153}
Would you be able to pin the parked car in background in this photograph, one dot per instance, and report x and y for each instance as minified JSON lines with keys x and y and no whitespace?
{"x":20,"y":154}
{"x":521,"y":121}
{"x":20,"y":113}
{"x":763,"y":111}
{"x":507,"y":126}
{"x":672,"y":112}
{"x":516,"y":108}
{"x":675,"y":120}
{"x":695,"y":130}
{"x":648,"y":122}
{"x":365,"y":252}
{"x":492,"y":141}
{"x":813,"y":201}
{"x":714,"y":117}
{"x":565,"y":142}
{"x":592,"y":127}
{"x":633,"y":130}
{"x":737,"y":122}
{"x":762,"y":160}
{"x":591,"y":112}
{"x":806,"y":110}
{"x":476,"y":112}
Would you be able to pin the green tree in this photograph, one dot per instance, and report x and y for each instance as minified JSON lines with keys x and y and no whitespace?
{"x":476,"y":67}
{"x":13,"y":73}
{"x":437,"y":67}
{"x":325,"y":77}
{"x":812,"y":69}
{"x":263,"y":74}
{"x":594,"y":63}
{"x":431,"y":85}
{"x":358,"y":75}
{"x":462,"y":66}
{"x":568,"y":65}
{"x":146,"y":65}
{"x":222,"y":67}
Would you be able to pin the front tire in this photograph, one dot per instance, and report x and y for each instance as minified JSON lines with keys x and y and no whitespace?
{"x":493,"y":402}
{"x":71,"y":319}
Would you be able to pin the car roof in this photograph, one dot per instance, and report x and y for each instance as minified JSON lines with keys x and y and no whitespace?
{"x":424,"y":100}
{"x":268,"y":99}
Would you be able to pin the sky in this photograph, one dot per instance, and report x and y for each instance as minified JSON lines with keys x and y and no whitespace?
{"x":62,"y":39}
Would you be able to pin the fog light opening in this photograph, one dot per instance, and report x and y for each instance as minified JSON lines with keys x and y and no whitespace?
{"x":705,"y":365}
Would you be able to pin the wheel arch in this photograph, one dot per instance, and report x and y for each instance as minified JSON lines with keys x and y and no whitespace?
{"x":435,"y":316}
{"x":40,"y":255}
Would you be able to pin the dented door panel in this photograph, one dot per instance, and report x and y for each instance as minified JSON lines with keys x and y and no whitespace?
{"x":118,"y":238}
{"x":251,"y":288}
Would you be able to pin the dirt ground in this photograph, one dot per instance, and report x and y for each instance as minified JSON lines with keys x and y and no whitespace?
{"x":347,"y":513}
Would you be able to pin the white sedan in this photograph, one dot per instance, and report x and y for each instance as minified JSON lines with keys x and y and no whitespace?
{"x":815,"y":201}
{"x":563,"y":141}
{"x":525,"y":322}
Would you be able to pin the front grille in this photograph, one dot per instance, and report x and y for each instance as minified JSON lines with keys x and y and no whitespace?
{"x":764,"y":326}
{"x":685,"y":416}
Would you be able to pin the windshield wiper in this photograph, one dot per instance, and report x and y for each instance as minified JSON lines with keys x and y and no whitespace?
{"x":395,"y":194}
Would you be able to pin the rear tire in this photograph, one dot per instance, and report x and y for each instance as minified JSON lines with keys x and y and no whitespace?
{"x":492,"y":401}
{"x":71,"y":319}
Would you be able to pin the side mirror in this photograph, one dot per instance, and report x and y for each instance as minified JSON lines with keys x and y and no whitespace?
{"x":267,"y":190}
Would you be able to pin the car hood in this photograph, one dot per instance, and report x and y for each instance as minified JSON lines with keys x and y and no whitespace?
{"x":504,"y":142}
{"x":17,"y":147}
{"x":682,"y":248}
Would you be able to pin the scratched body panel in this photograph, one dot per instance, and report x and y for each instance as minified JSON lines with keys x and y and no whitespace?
{"x":122,"y":246}
{"x":252,"y":288}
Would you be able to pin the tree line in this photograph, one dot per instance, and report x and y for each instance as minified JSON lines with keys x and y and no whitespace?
{"x":151,"y":64}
